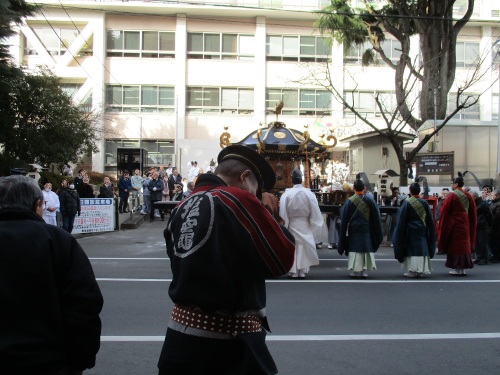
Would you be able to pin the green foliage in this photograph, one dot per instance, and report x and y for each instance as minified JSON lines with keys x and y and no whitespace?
{"x":43,"y":124}
{"x":11,"y":12}
{"x":54,"y":178}
{"x":38,"y":122}
{"x":96,"y":179}
{"x":368,"y":57}
{"x":342,"y":24}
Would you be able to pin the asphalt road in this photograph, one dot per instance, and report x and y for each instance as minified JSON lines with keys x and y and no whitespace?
{"x":326,"y":324}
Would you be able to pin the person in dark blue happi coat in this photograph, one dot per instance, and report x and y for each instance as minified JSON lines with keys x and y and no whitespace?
{"x":360,"y":232}
{"x":414,"y":237}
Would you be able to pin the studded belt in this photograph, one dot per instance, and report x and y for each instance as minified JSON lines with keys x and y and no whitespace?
{"x":198,"y":323}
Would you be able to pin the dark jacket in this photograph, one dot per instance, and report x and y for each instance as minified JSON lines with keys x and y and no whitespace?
{"x":106,"y":192}
{"x":495,"y":210}
{"x":358,"y":233}
{"x":484,"y":215}
{"x":412,"y":235}
{"x":155,"y":195}
{"x":172,"y":180}
{"x":124,"y":184}
{"x":50,"y":299}
{"x":69,"y":201}
{"x":85,"y":191}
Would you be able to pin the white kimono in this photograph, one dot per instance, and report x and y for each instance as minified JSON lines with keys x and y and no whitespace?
{"x":300,"y":210}
{"x":50,"y":200}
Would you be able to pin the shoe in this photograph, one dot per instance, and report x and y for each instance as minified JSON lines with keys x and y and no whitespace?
{"x":364,"y":275}
{"x":319,"y":246}
{"x":126,"y":212}
{"x":120,"y":212}
{"x":143,"y":213}
{"x":410,"y":274}
{"x":330,"y":246}
{"x":355,"y":274}
{"x":292,"y":275}
{"x":162,"y":218}
{"x":302,"y":274}
{"x":475,"y":261}
{"x":458,"y":272}
{"x":157,"y":215}
{"x":420,"y":275}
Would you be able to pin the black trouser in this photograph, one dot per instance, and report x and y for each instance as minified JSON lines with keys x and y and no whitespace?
{"x":152,"y":201}
{"x":246,"y":354}
{"x":123,"y":205}
{"x":495,"y":246}
{"x":482,"y":246}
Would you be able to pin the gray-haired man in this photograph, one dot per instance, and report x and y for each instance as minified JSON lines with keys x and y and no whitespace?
{"x":50,"y":299}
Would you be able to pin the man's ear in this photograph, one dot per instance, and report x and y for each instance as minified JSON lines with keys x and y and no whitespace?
{"x":245,"y":174}
{"x":37,"y":208}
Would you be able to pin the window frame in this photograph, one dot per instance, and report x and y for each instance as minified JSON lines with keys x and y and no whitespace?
{"x":465,"y":113}
{"x":299,"y":96}
{"x":243,"y":102}
{"x":130,"y":98}
{"x":284,"y":42}
{"x":141,"y":51}
{"x":373,"y":110}
{"x":201,"y":53}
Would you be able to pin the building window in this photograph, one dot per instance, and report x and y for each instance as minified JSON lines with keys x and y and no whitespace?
{"x":143,"y":44}
{"x":300,"y":102}
{"x":57,"y":41}
{"x":467,"y":54}
{"x":71,"y":89}
{"x":297,"y":48}
{"x":391,"y":48}
{"x":365,"y":104}
{"x":140,"y":98}
{"x":160,"y":152}
{"x":354,"y":55}
{"x":471,"y":113}
{"x":215,"y":46}
{"x":237,"y":101}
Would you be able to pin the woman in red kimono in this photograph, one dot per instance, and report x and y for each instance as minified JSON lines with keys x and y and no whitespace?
{"x":457,"y":228}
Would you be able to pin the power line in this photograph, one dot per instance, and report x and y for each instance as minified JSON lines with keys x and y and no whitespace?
{"x":134,"y":13}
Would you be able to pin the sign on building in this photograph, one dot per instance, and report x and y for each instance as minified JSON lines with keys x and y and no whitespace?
{"x":435,"y":163}
{"x":97,"y":215}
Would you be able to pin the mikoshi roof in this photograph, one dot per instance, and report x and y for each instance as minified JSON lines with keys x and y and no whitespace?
{"x":279,"y":141}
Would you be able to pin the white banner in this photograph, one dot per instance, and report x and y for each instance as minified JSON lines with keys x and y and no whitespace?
{"x":97,"y":215}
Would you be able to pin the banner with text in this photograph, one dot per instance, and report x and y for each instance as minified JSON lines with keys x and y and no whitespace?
{"x":97,"y":215}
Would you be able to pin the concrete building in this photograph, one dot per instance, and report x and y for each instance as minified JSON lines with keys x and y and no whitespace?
{"x":169,"y":76}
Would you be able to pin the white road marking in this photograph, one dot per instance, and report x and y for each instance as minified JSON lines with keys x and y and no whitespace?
{"x":405,"y":281}
{"x":129,"y":258}
{"x":321,"y":260}
{"x":271,"y":337}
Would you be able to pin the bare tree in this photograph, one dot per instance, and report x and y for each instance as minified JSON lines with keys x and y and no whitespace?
{"x":394,"y":122}
{"x":418,"y":80}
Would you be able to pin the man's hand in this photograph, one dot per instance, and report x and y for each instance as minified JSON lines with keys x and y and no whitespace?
{"x":271,"y":203}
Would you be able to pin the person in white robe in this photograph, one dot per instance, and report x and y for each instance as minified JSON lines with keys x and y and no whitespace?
{"x":50,"y":204}
{"x":300,"y":211}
